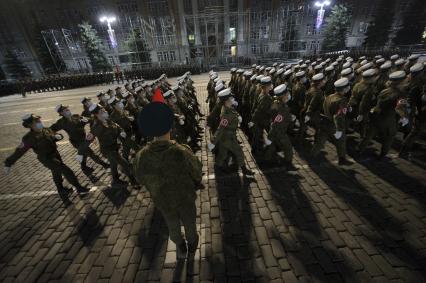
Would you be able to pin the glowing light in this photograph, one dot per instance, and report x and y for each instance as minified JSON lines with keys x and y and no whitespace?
{"x":111,"y":33}
{"x":321,"y":12}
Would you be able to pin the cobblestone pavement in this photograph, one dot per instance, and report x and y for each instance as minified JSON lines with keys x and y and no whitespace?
{"x":358,"y":223}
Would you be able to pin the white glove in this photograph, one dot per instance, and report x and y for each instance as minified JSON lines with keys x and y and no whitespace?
{"x":404,"y":121}
{"x":250,"y":124}
{"x":424,"y":97}
{"x":210,"y":146}
{"x":131,"y":118}
{"x":235,"y":103}
{"x":267,"y":141}
{"x":372,"y":110}
{"x":338,"y":135}
{"x":123,"y":135}
{"x":58,"y":137}
{"x":297,"y":123}
{"x":182,"y":117}
{"x":359,"y":118}
{"x":188,"y":139}
{"x":307,"y":118}
{"x":350,"y":109}
{"x":6,"y":170}
{"x":79,"y":158}
{"x":293,"y":117}
{"x":84,"y":120}
{"x":181,"y":122}
{"x":240,"y":119}
{"x":133,"y":138}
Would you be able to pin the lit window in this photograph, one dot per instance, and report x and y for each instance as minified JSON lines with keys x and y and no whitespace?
{"x":232,"y":33}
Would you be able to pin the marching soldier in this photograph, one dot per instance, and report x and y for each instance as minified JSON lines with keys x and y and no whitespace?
{"x":314,"y":101}
{"x":281,"y":120}
{"x":172,"y":174}
{"x":86,"y":101}
{"x":383,"y":115}
{"x":42,"y":141}
{"x":226,"y":135}
{"x":333,"y":122}
{"x":73,"y":125}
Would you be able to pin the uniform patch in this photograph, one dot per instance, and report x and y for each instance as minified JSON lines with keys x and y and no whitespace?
{"x":224,"y":122}
{"x":342,"y":110}
{"x":279,"y":118}
{"x":90,"y":137}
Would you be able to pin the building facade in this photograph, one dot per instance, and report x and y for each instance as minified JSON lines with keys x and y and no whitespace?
{"x":208,"y":32}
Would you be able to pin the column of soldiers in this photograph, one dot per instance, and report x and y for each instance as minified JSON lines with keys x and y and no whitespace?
{"x":374,"y":96}
{"x":113,"y":122}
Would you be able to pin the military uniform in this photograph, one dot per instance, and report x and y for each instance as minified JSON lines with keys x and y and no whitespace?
{"x":43,"y":144}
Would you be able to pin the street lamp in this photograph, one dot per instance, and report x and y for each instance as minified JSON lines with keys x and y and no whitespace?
{"x":320,"y":15}
{"x":111,"y":34}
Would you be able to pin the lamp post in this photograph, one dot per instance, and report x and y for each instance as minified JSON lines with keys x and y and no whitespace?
{"x":111,"y":34}
{"x":320,"y":15}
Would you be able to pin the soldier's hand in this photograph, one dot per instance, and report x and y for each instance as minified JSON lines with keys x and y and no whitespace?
{"x":79,"y":158}
{"x":6,"y":170}
{"x":131,"y":118}
{"x":307,"y":118}
{"x":267,"y":141}
{"x":210,"y":146}
{"x":59,"y":137}
{"x":123,"y":135}
{"x":338,"y":135}
{"x":240,"y":119}
{"x":250,"y":124}
{"x":181,"y":122}
{"x":293,"y":117}
{"x":297,"y":123}
{"x":359,"y":118}
{"x":84,"y":119}
{"x":403,"y":121}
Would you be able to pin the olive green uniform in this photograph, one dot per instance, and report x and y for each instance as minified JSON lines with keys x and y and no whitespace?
{"x":43,"y":144}
{"x":383,"y":119}
{"x":129,"y":143}
{"x":313,"y":105}
{"x":74,"y":127}
{"x":296,"y":104}
{"x":171,"y":173}
{"x":261,"y":119}
{"x":334,"y":119}
{"x":363,"y":98}
{"x":226,"y":137}
{"x":281,"y":120}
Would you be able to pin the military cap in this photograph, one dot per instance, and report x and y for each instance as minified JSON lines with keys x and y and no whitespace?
{"x":253,"y":66}
{"x":380,"y":60}
{"x":397,"y":76}
{"x":100,"y":94}
{"x":59,"y":108}
{"x":394,"y":57}
{"x":363,"y":62}
{"x":155,"y":119}
{"x":262,"y":68}
{"x":113,"y":101}
{"x":399,"y":62}
{"x":418,"y":67}
{"x":252,"y":78}
{"x":214,"y":76}
{"x":224,"y":94}
{"x":362,"y":58}
{"x":280,"y":71}
{"x":240,"y":71}
{"x":328,"y":60}
{"x":259,"y":78}
{"x":300,"y":74}
{"x":94,"y":108}
{"x":268,"y":69}
{"x":339,"y":60}
{"x":314,"y":64}
{"x":341,"y":83}
{"x":219,"y":87}
{"x":378,"y":57}
{"x":126,"y":94}
{"x":318,"y":77}
{"x":288,"y":67}
{"x":281,"y":65}
{"x":273,"y":70}
{"x":347,"y":65}
{"x":168,"y":93}
{"x":288,"y":72}
{"x":84,"y":99}
{"x":275,"y":64}
{"x":319,"y":59}
{"x":386,"y":65}
{"x":414,"y":57}
{"x":300,"y":62}
{"x":329,"y":68}
{"x":216,"y":80}
{"x":139,"y":88}
{"x":366,"y":66}
{"x":257,"y":67}
{"x":163,"y":76}
{"x":334,"y":64}
{"x":369,"y":73}
{"x":211,"y":72}
{"x":266,"y":80}
{"x":280,"y":90}
{"x":248,"y":73}
{"x":303,"y":66}
{"x":346,"y":71}
{"x":318,"y":67}
{"x":28,"y":119}
{"x":307,"y":62}
{"x":175,"y":87}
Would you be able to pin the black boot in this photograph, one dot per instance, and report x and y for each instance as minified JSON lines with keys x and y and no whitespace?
{"x":86,"y":169}
{"x":181,"y":251}
{"x":192,"y":247}
{"x":246,"y":171}
{"x":344,"y":161}
{"x":82,"y":190}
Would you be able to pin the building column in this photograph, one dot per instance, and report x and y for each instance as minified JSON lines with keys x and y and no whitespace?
{"x":242,"y":47}
{"x":197,"y":34}
{"x":183,"y":42}
{"x":226,"y":26}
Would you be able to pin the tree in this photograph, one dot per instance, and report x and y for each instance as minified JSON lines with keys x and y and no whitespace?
{"x":14,"y":67}
{"x":138,"y":48}
{"x":337,"y":28}
{"x":413,"y":24}
{"x":92,"y":45}
{"x":378,"y":30}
